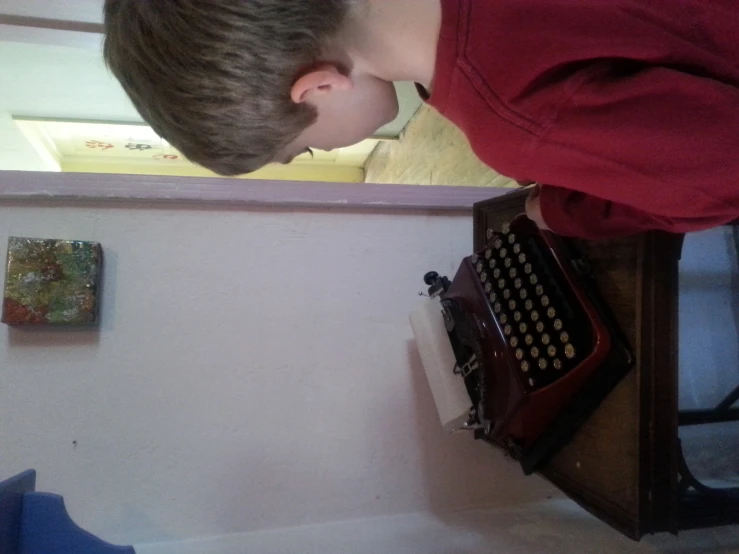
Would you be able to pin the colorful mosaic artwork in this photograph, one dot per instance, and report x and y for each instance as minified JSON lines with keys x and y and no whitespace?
{"x":52,"y":282}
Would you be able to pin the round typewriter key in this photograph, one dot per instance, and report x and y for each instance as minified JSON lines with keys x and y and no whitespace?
{"x":517,"y":250}
{"x":479,"y":267}
{"x":508,"y":262}
{"x":534,"y":279}
{"x":503,"y":252}
{"x":493,"y":297}
{"x":528,"y":268}
{"x":551,"y":313}
{"x":488,"y":254}
{"x":557,"y":364}
{"x":506,"y":228}
{"x":503,"y":319}
{"x":523,"y":327}
{"x":506,"y":294}
{"x":558,"y":325}
{"x":540,"y":327}
{"x":497,"y":308}
{"x":552,"y":351}
{"x":529,"y":340}
{"x":498,"y":244}
{"x":529,"y":305}
{"x":516,"y":316}
{"x":501,"y":283}
{"x":545,"y":301}
{"x":514,"y":342}
{"x":474,"y":259}
{"x":488,"y":286}
{"x":490,"y":234}
{"x":543,"y":363}
{"x":570,"y":351}
{"x":513,"y":272}
{"x":525,"y":366}
{"x":511,"y":238}
{"x":546,"y":339}
{"x":564,"y":337}
{"x":512,"y":305}
{"x":519,"y":354}
{"x":522,"y":259}
{"x":534,"y":316}
{"x":484,"y":276}
{"x":539,"y":290}
{"x":508,"y":330}
{"x":496,"y":273}
{"x":534,"y":352}
{"x":518,"y":283}
{"x":524,"y":294}
{"x":493,"y":263}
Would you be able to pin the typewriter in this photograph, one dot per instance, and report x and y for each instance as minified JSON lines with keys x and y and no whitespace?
{"x":519,"y":348}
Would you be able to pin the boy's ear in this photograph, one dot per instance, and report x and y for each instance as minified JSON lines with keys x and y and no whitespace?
{"x":320,"y":81}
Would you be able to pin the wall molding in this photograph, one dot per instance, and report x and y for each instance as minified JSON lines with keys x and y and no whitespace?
{"x":29,"y":185}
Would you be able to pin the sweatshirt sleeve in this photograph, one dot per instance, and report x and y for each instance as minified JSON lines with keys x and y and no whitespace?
{"x":641,"y":148}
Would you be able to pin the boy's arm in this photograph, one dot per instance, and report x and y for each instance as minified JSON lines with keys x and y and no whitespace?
{"x":656,"y":148}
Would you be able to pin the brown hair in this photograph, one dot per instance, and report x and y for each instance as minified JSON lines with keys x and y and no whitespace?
{"x":213,"y":77}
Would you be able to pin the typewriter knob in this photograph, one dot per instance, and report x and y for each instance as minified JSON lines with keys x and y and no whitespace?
{"x":430,"y":278}
{"x":490,"y":234}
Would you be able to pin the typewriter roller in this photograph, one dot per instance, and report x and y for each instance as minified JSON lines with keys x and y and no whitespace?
{"x":534,"y":345}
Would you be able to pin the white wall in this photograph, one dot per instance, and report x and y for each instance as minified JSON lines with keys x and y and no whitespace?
{"x":254,"y":370}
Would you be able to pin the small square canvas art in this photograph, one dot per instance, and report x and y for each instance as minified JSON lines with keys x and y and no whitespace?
{"x":52,"y":282}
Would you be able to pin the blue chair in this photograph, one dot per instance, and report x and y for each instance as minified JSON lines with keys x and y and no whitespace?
{"x":38,"y":523}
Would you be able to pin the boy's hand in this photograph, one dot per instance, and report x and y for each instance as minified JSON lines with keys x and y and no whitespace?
{"x":533,"y":209}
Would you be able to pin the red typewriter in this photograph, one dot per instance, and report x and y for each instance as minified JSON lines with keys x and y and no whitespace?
{"x":536,"y":347}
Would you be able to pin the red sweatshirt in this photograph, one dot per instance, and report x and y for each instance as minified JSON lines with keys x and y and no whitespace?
{"x":625,"y":111}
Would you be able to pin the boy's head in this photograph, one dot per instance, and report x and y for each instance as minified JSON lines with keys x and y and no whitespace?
{"x":237,"y":84}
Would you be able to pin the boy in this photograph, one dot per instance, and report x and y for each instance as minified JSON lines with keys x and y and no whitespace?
{"x":626,"y":112}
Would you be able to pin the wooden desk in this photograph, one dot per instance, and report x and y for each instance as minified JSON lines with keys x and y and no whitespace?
{"x":623,"y":464}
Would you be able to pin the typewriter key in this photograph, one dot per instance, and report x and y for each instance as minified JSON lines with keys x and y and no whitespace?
{"x":517,"y":250}
{"x":551,"y":313}
{"x":479,"y":267}
{"x":540,"y":327}
{"x":546,"y":339}
{"x":496,"y":273}
{"x":512,"y":305}
{"x":534,"y":316}
{"x":523,"y":327}
{"x":525,"y":366}
{"x":511,"y":238}
{"x":508,"y":330}
{"x":529,"y":305}
{"x":490,"y":234}
{"x":493,"y":297}
{"x":498,"y":244}
{"x":557,"y":364}
{"x":522,"y":259}
{"x":524,"y":294}
{"x":558,"y":325}
{"x":516,"y":316}
{"x":474,"y":259}
{"x":564,"y":337}
{"x":506,"y":294}
{"x":493,"y":263}
{"x":517,"y":283}
{"x":529,"y":340}
{"x":519,"y":354}
{"x":488,"y":286}
{"x":534,"y":279}
{"x":534,"y":352}
{"x":514,"y":342}
{"x":543,"y":363}
{"x":501,"y":283}
{"x":506,"y":228}
{"x":545,"y":301}
{"x":539,"y":290}
{"x":503,"y":252}
{"x":484,"y":276}
{"x":513,"y":272}
{"x":497,"y":308}
{"x":570,"y":351}
{"x":552,"y":351}
{"x":508,"y":262}
{"x":528,"y":268}
{"x":488,"y":254}
{"x":503,"y":319}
